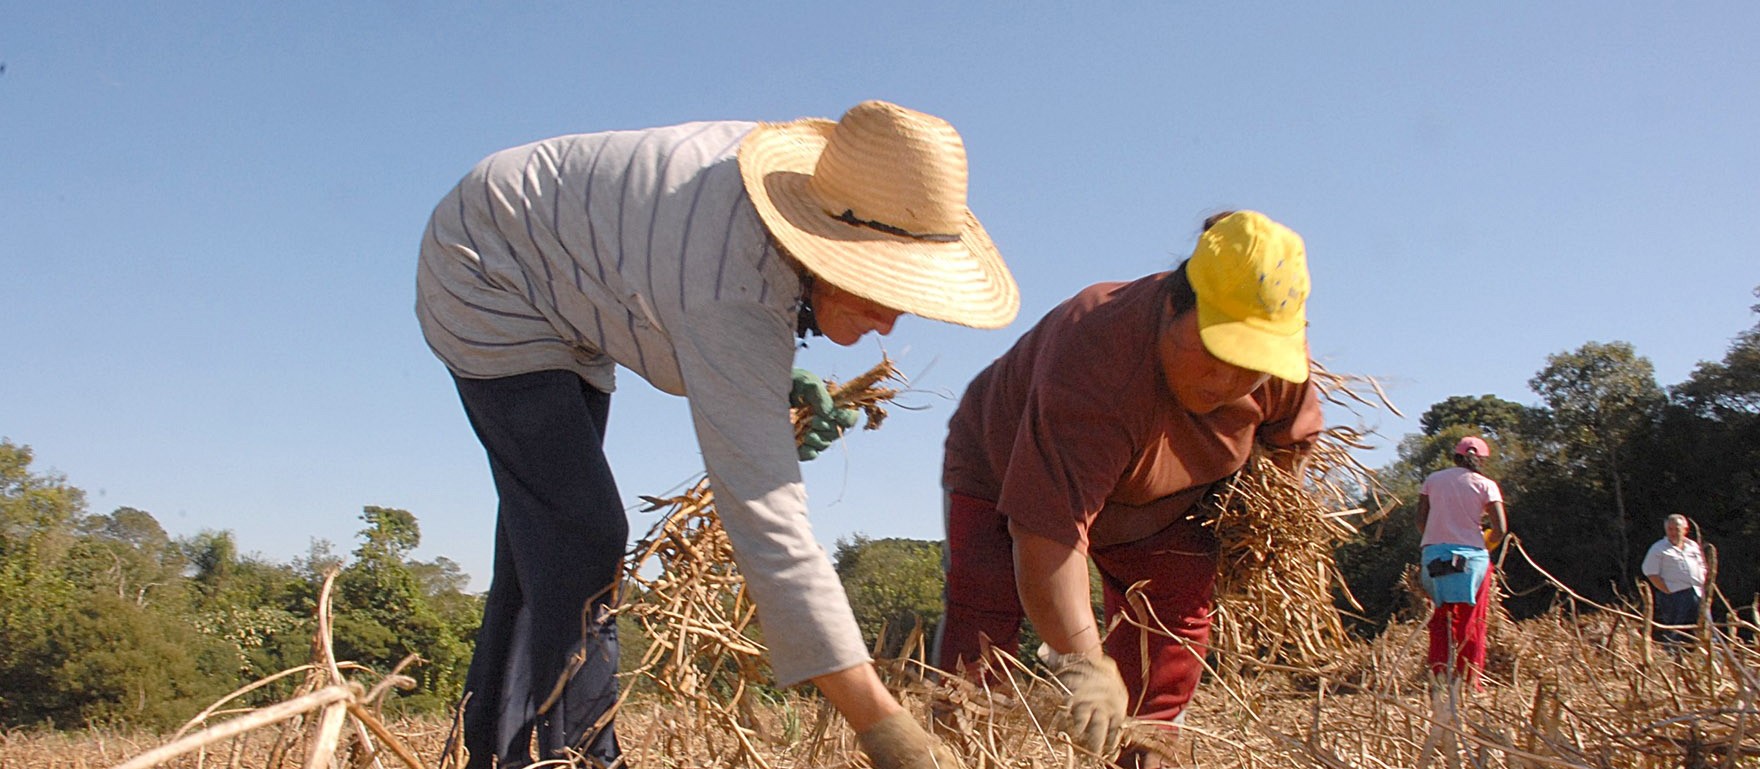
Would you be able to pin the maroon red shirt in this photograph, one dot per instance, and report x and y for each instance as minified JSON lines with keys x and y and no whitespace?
{"x":1075,"y":434}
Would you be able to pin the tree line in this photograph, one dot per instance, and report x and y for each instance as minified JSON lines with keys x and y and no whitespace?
{"x":105,"y":619}
{"x":1589,"y":472}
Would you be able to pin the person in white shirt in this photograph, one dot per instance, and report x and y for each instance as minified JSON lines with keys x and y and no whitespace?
{"x":693,"y":256}
{"x":1675,"y":566}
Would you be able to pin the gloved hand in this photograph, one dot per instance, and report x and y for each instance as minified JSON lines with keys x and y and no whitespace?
{"x":828,"y":422}
{"x":897,"y":742}
{"x":1094,"y":716}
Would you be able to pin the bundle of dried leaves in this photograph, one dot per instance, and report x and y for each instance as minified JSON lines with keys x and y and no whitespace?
{"x":688,"y":598}
{"x":1278,"y":527}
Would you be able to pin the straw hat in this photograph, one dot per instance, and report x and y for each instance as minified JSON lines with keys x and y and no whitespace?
{"x":875,"y":204}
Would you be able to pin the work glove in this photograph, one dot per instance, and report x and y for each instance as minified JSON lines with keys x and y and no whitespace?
{"x":828,"y":421}
{"x":1094,"y":716}
{"x":1491,"y":539}
{"x":897,"y":742}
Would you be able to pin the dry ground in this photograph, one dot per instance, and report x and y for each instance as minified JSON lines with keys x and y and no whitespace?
{"x":1562,"y":691}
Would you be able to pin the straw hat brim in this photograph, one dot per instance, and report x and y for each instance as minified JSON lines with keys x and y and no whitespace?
{"x":964,"y":282}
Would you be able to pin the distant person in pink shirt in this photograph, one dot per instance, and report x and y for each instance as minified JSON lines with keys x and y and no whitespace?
{"x":1460,"y":512}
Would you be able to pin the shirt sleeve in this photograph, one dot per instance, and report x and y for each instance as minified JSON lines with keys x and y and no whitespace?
{"x":1293,"y":418}
{"x":1493,"y":492}
{"x":735,"y":359}
{"x":1653,"y":562}
{"x":1072,"y":447}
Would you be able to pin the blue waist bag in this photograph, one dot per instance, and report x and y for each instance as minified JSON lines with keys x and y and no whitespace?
{"x":1453,"y":573}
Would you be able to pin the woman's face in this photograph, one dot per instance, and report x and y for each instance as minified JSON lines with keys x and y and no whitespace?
{"x":1200,"y":381}
{"x":844,"y":317}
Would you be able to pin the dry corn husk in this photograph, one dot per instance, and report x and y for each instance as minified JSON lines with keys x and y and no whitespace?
{"x":687,"y":597}
{"x":1276,"y":576}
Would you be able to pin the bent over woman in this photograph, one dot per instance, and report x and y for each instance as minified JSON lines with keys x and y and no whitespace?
{"x":1094,"y":437}
{"x":692,"y":256}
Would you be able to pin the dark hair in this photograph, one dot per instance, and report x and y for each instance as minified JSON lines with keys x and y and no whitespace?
{"x":806,"y":322}
{"x":1470,"y":461}
{"x":1179,"y":287}
{"x":1179,"y":291}
{"x":1211,"y":220}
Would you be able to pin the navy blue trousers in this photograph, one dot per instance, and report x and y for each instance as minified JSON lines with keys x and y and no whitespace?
{"x":545,"y":662}
{"x":1680,"y":607}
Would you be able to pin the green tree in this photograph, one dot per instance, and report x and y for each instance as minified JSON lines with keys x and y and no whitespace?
{"x":38,"y":512}
{"x":1487,"y":415}
{"x":1505,"y":425}
{"x":265,"y":611}
{"x":115,"y":662}
{"x":214,"y":556}
{"x":894,"y":585}
{"x":94,"y":627}
{"x":1601,"y":397}
{"x":389,"y":607}
{"x":128,"y":552}
{"x":105,"y":619}
{"x":1727,"y":390}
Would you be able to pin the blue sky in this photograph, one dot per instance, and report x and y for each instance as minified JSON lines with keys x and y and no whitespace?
{"x":209,"y":211}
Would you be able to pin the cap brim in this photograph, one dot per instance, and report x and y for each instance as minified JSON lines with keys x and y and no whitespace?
{"x":963,"y":282}
{"x":1256,"y":345}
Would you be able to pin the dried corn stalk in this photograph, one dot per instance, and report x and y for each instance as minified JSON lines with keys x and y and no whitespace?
{"x":688,"y":598}
{"x":331,"y":719}
{"x":1276,"y":574}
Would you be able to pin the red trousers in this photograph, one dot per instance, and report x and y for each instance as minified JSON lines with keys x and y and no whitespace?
{"x":1178,"y":564}
{"x":1459,"y":628}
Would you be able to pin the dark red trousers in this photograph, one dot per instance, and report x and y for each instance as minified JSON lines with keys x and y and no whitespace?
{"x":1458,"y":630}
{"x":1177,"y":567}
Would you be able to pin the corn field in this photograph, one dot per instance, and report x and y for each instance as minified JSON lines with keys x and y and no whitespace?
{"x":1285,"y":686}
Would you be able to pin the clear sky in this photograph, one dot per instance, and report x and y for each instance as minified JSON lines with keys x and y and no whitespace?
{"x":209,"y":211}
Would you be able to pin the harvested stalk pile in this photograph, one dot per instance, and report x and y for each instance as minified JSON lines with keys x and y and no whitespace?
{"x":1583,"y":687}
{"x":688,"y":598}
{"x":1277,"y":529}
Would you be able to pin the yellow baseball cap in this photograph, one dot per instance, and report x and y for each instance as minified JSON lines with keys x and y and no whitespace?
{"x":1251,"y":278}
